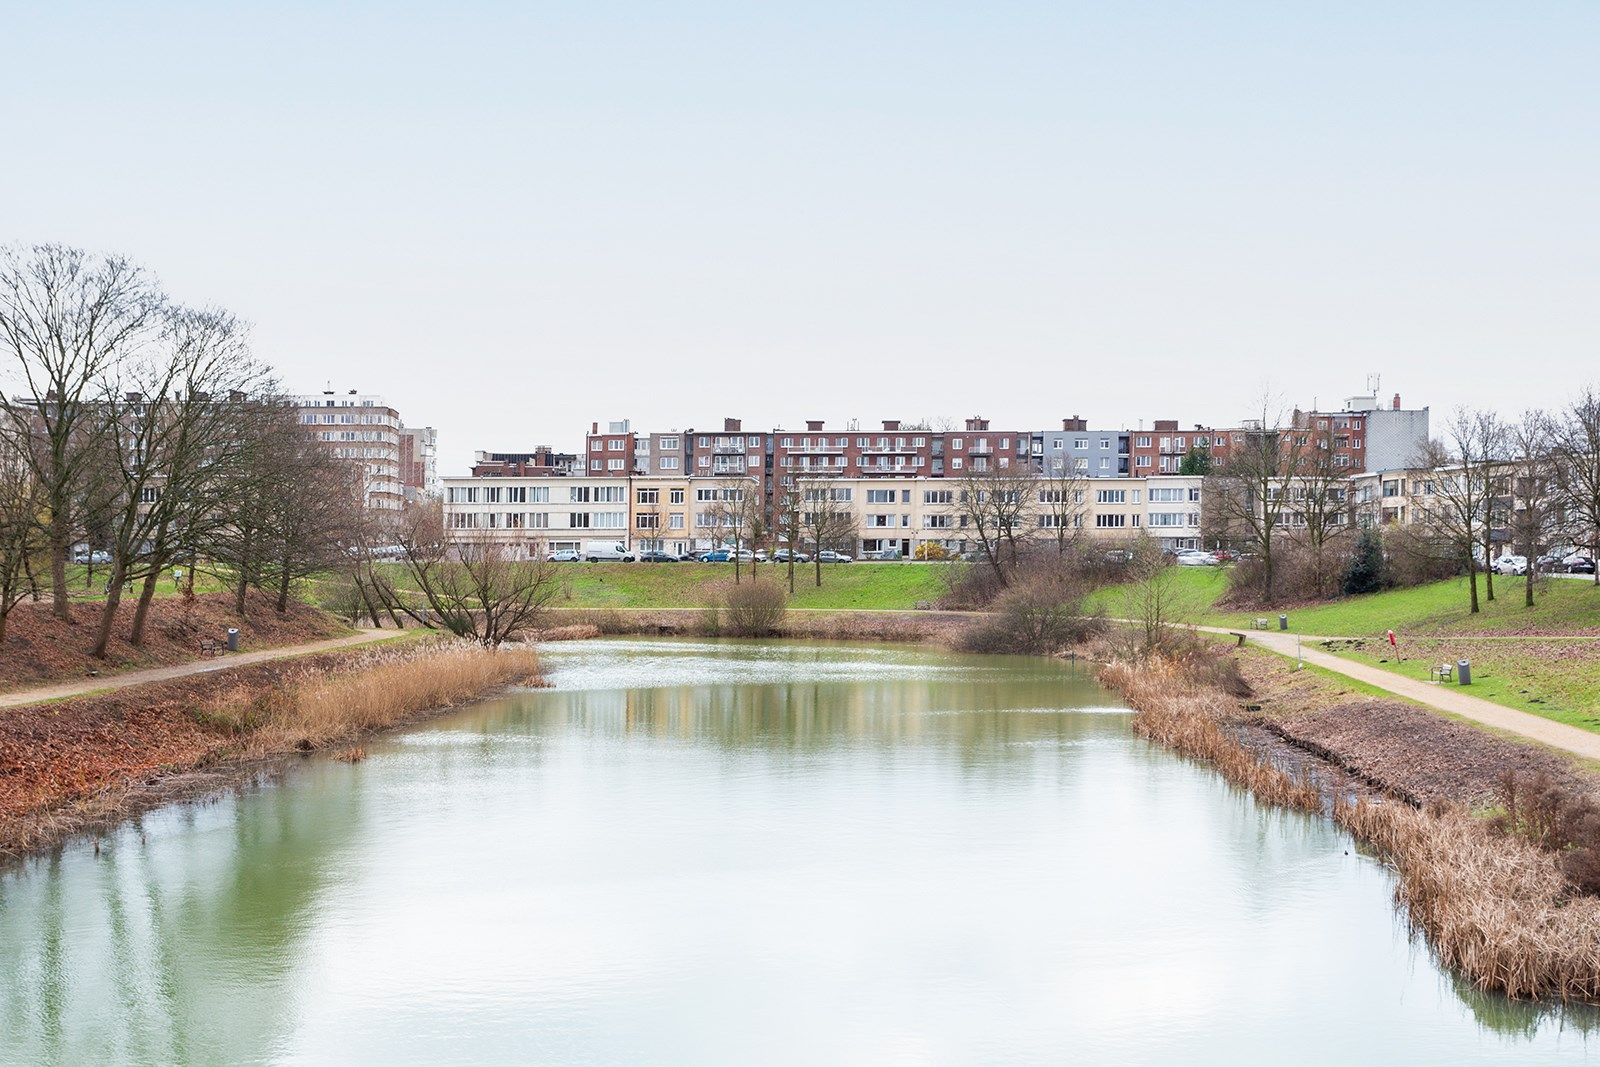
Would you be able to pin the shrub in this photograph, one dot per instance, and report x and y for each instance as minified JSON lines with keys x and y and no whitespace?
{"x":754,"y":608}
{"x":930,"y":550}
{"x":1364,"y":572}
{"x":1035,"y":618}
{"x":1556,"y":818}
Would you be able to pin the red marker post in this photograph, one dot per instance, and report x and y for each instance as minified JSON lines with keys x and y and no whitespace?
{"x":1394,"y":644}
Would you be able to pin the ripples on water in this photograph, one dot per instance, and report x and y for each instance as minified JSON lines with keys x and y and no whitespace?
{"x":735,"y":852}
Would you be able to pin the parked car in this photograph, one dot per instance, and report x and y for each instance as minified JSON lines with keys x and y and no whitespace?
{"x":97,"y":557}
{"x":828,"y":555}
{"x":607,"y":551}
{"x":1511,"y":565}
{"x":1223,"y":555}
{"x":716,"y":555}
{"x":1580,"y":565}
{"x":566,"y":555}
{"x":883,"y":553}
{"x":1193,"y":557}
{"x":1551,"y":561}
{"x":1118,"y":556}
{"x":761,"y":555}
{"x":782,"y":556}
{"x":654,"y":556}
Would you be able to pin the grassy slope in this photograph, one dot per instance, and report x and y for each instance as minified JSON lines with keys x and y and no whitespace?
{"x":1561,"y":606}
{"x":1520,"y":667}
{"x":882,"y":586}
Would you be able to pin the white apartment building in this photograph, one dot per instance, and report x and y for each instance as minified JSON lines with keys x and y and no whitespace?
{"x":538,"y":515}
{"x":364,"y":431}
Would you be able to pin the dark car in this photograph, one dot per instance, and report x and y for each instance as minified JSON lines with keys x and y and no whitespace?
{"x":720,"y":555}
{"x":657,"y":557}
{"x":1580,"y":566}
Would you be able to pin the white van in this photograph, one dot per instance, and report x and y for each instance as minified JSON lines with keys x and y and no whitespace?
{"x":607,"y":551}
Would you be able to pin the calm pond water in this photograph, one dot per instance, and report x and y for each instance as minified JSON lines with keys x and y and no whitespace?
{"x":703,"y":852}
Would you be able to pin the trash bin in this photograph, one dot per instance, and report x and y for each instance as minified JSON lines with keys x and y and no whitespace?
{"x":233,"y":639}
{"x":1464,"y":671}
{"x":1283,"y":622}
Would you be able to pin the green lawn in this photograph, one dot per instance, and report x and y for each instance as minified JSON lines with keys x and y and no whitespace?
{"x":82,"y":585}
{"x":1556,"y":679}
{"x":1561,"y":606}
{"x":881,"y":586}
{"x":1192,"y":592}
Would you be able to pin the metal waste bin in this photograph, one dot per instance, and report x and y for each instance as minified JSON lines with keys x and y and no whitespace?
{"x":1283,"y":622}
{"x":1464,"y":671}
{"x":233,"y":639}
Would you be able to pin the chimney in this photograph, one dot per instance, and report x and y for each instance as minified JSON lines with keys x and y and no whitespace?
{"x":891,"y":424}
{"x":976,"y":423}
{"x":1074,"y":425}
{"x":594,"y":428}
{"x":1397,"y":401}
{"x":730,"y":425}
{"x":1166,"y":426}
{"x":813,"y":424}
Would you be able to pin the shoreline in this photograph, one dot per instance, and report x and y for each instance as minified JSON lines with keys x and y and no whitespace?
{"x":85,"y":765}
{"x":1493,"y":908}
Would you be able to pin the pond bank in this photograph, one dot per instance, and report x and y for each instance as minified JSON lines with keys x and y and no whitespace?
{"x":81,"y":764}
{"x":1493,"y":906}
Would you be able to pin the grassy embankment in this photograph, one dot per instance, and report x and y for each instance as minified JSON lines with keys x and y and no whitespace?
{"x":90,"y":761}
{"x":40,"y":649}
{"x":1544,"y":660}
{"x":845,"y":586}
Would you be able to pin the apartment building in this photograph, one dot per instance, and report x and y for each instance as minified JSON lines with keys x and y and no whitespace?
{"x":1075,"y":450}
{"x":662,"y":514}
{"x":537,"y":514}
{"x":364,"y":431}
{"x":419,"y":462}
{"x":542,"y":462}
{"x":610,"y":454}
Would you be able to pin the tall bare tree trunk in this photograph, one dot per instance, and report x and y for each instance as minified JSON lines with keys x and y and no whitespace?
{"x":58,"y":566}
{"x":141,"y":613}
{"x":283,"y":590}
{"x":1472,"y":582}
{"x":108,"y":616}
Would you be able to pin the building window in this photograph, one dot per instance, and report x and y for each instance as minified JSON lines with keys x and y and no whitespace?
{"x":1110,"y":496}
{"x":649,"y":496}
{"x":1110,"y":522}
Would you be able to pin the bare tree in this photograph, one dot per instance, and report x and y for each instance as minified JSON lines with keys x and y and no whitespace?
{"x":1466,"y":470}
{"x":992,"y":505}
{"x":826,"y":518}
{"x":1534,"y":511}
{"x":788,"y":527}
{"x":736,"y":515}
{"x":22,"y":532}
{"x":67,"y":318}
{"x":1318,"y":502}
{"x":1251,"y":490}
{"x":1576,"y":447}
{"x":1062,"y":491}
{"x":473,"y":582}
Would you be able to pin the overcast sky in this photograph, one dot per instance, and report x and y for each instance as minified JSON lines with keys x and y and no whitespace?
{"x":512,"y":219}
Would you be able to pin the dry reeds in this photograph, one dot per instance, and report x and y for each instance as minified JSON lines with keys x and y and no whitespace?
{"x":1173,"y":710}
{"x":1494,"y":907}
{"x":310,"y":709}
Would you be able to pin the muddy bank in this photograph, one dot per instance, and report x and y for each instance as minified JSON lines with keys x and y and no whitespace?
{"x":75,"y":765}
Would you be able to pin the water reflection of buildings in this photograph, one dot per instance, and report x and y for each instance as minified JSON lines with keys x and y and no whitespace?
{"x":972,"y":714}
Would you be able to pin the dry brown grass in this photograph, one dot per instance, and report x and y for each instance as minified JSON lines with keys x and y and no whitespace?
{"x":1173,"y":709}
{"x":308,"y":709}
{"x":1494,"y":907}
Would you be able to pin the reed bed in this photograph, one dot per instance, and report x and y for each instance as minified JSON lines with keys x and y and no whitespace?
{"x":309,"y":708}
{"x":1172,"y":709}
{"x":1492,"y":906}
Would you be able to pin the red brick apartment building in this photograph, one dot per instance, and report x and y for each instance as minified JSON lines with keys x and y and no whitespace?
{"x":898,"y":449}
{"x":542,"y":462}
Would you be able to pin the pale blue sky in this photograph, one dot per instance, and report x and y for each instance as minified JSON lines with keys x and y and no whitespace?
{"x":515,"y":218}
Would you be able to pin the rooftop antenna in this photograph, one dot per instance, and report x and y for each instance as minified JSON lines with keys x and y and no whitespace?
{"x":1372,"y":384}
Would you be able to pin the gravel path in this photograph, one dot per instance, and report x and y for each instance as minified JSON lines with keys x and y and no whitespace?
{"x":222,"y":662}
